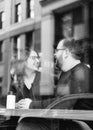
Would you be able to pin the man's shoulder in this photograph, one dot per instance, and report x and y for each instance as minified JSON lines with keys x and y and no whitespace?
{"x":81,"y":70}
{"x":81,"y":66}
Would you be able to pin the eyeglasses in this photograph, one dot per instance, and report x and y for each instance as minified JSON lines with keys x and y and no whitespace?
{"x":33,"y":57}
{"x":56,"y":50}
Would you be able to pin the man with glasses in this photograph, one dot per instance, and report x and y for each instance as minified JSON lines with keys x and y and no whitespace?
{"x":76,"y":77}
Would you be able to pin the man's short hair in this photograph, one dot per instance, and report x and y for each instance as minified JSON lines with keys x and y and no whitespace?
{"x":74,"y":47}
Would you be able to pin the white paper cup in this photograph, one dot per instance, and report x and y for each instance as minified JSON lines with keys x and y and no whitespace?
{"x":10,"y":103}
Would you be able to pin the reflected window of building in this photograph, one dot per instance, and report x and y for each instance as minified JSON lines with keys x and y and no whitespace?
{"x":33,"y":39}
{"x":17,"y":47}
{"x":18,"y":11}
{"x":91,"y":33}
{"x":1,"y":50}
{"x":78,"y":16}
{"x":30,"y":9}
{"x":29,"y":41}
{"x":91,"y":20}
{"x":0,"y":90}
{"x":78,"y":23}
{"x":37,"y":44}
{"x":1,"y":80}
{"x":69,"y":24}
{"x":2,"y":19}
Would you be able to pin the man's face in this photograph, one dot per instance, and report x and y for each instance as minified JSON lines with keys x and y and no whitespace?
{"x":60,"y":54}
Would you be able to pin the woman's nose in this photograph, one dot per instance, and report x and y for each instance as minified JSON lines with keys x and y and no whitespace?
{"x":55,"y":58}
{"x":55,"y":55}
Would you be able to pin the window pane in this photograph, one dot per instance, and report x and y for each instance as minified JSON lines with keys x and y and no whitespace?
{"x":32,"y":4}
{"x":78,"y":12}
{"x":32,"y":14}
{"x":18,"y":13}
{"x":28,"y":8}
{"x":0,"y":20}
{"x":3,"y":16}
{"x":1,"y":50}
{"x":19,"y":9}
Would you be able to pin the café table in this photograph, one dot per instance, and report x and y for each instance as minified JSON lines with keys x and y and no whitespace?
{"x":49,"y":113}
{"x":76,"y":115}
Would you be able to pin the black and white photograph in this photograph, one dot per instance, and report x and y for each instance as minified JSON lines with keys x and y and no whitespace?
{"x":46,"y":65}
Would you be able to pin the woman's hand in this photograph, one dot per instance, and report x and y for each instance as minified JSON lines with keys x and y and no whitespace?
{"x":23,"y":103}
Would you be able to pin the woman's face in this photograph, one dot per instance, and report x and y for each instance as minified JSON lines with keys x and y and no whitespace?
{"x":33,"y":61}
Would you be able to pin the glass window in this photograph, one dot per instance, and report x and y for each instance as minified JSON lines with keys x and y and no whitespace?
{"x":91,"y":20}
{"x":2,"y":19}
{"x":37,"y":44}
{"x":18,"y":12}
{"x":67,"y":25}
{"x":1,"y":43}
{"x":0,"y":90}
{"x":29,"y":41}
{"x":78,"y":12}
{"x":17,"y":47}
{"x":30,"y":9}
{"x":1,"y":79}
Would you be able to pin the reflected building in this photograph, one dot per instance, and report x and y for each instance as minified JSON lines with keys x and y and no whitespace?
{"x":40,"y":24}
{"x":20,"y":25}
{"x":64,"y":19}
